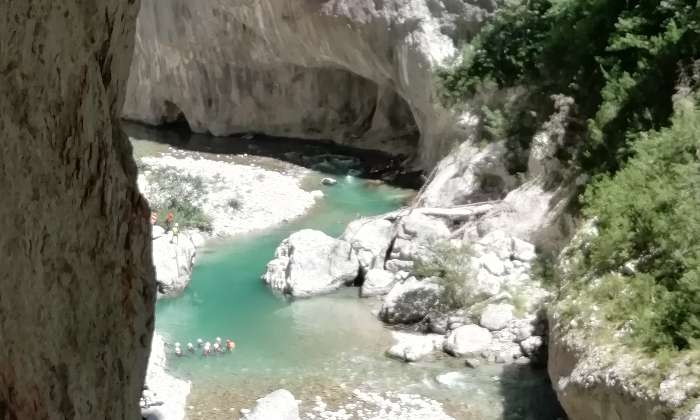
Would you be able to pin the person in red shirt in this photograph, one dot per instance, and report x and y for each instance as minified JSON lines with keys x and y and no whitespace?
{"x":169,"y":221}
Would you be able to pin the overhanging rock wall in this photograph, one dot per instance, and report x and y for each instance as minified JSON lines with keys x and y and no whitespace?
{"x":76,"y":281}
{"x":359,"y":72}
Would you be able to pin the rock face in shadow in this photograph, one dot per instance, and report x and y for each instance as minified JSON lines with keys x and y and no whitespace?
{"x":76,"y":307}
{"x":359,"y":72}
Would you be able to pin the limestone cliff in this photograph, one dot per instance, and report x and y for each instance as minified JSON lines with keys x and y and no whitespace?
{"x":76,"y":308}
{"x":355,"y":71}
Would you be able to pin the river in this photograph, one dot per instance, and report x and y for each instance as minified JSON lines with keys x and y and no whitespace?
{"x":322,"y":349}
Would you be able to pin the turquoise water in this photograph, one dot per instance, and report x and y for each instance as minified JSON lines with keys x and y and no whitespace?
{"x":226,"y":297}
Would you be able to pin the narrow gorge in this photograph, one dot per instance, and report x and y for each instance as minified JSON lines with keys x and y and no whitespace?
{"x":350,"y":209}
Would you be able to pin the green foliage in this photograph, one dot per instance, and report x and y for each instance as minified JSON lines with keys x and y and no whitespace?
{"x":544,"y":269}
{"x":234,"y":203}
{"x":619,"y":60}
{"x":506,"y":52}
{"x":177,"y":193}
{"x":648,"y":214}
{"x":452,"y":266}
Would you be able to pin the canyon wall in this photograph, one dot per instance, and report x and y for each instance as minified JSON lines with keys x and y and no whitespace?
{"x":358,"y":72}
{"x":76,"y":307}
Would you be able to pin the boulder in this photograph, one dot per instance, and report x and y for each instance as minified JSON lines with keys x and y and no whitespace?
{"x":173,"y":259}
{"x":279,"y":405}
{"x":370,"y":238}
{"x":470,"y":173}
{"x":523,"y":329}
{"x":468,"y":340}
{"x":496,"y":316}
{"x":437,"y":322}
{"x":472,"y":362}
{"x":532,"y":345}
{"x":452,"y":380}
{"x":413,"y":347}
{"x":410,"y":301}
{"x":396,"y":266}
{"x":377,"y":283}
{"x":507,"y":353}
{"x":417,"y":236}
{"x":157,"y":231}
{"x":493,"y":264}
{"x":486,"y":285}
{"x":310,"y":263}
{"x":523,"y":251}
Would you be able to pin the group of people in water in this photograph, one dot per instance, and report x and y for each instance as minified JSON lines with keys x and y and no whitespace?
{"x":207,"y":348}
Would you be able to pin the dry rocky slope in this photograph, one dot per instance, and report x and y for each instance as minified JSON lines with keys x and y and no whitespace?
{"x":76,"y":308}
{"x":359,"y":72}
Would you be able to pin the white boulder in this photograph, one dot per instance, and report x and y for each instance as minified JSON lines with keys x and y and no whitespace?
{"x":453,"y":380}
{"x":410,"y":301}
{"x":173,"y":259}
{"x":496,"y":316}
{"x":309,"y":263}
{"x":279,"y":405}
{"x":523,"y":251}
{"x":377,"y":282}
{"x":532,"y":345}
{"x":370,"y":238}
{"x":413,"y":347}
{"x":468,"y":340}
{"x":417,"y":235}
{"x":486,"y":285}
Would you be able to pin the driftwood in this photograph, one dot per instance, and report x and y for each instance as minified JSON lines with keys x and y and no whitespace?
{"x":456,"y":213}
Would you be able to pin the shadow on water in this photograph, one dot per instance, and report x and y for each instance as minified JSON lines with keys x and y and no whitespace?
{"x":528,"y":394}
{"x":319,"y":155}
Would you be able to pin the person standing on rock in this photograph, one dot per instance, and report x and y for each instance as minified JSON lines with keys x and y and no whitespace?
{"x":176,"y":230}
{"x":169,"y":221}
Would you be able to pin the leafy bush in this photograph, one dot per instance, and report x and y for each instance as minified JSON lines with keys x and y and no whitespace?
{"x":177,"y":193}
{"x":234,"y":203}
{"x":649,"y":217}
{"x":452,"y":266}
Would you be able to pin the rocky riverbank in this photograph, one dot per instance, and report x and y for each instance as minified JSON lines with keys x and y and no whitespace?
{"x":281,"y":405}
{"x":235,"y":198}
{"x":164,"y":396}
